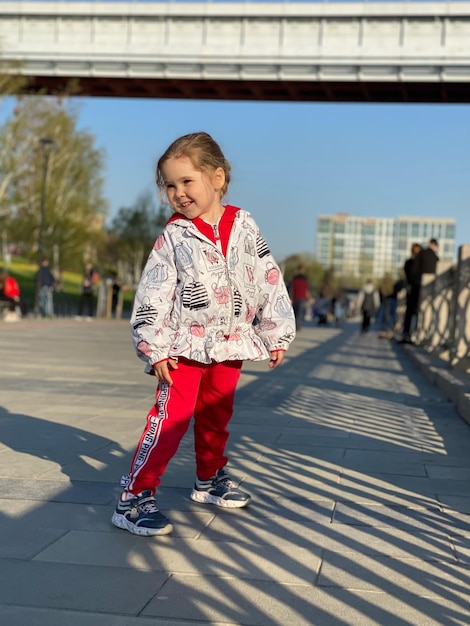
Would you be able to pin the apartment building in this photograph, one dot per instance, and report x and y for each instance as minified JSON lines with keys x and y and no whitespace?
{"x":375,"y":246}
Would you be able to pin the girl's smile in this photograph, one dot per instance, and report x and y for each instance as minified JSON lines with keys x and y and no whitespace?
{"x":193,"y":192}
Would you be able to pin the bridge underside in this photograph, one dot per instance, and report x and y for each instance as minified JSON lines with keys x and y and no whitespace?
{"x":314,"y":91}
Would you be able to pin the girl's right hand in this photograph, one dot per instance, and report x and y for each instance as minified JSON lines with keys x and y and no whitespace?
{"x":162,"y":370}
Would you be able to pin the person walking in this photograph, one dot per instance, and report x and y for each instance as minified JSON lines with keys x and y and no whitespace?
{"x":299,"y":291}
{"x":339,"y":311}
{"x":368,"y":303}
{"x":322,"y":308}
{"x":208,"y":275}
{"x":45,"y":282}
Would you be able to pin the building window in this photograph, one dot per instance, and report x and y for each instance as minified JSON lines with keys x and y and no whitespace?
{"x":450,"y":231}
{"x":448,"y":250}
{"x":368,"y":229}
{"x":323,"y":226}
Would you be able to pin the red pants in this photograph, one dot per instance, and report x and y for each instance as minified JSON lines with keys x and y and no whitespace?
{"x":204,"y":391}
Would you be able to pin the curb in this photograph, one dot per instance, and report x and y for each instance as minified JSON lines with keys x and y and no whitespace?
{"x":453,"y":384}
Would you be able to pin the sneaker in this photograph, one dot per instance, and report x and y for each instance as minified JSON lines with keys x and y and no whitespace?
{"x":220,"y":490}
{"x":140,"y":516}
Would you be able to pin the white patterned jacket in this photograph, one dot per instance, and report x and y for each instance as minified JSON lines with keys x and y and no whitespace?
{"x":194,"y":302}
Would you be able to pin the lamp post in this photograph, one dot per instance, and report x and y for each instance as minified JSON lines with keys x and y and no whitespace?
{"x":46,"y":145}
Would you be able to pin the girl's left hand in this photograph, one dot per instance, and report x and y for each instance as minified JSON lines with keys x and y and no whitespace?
{"x":163,"y":368}
{"x":277,"y":357}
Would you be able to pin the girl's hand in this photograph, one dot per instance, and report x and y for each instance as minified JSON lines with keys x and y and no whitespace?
{"x":162,"y":370}
{"x":277,"y":357}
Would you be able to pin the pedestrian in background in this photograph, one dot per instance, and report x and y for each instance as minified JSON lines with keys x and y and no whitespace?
{"x":422,"y":261}
{"x":86,"y":303}
{"x":299,"y":291}
{"x":413,"y":283}
{"x":322,"y":308}
{"x":116,"y":288}
{"x":428,"y":258}
{"x":11,"y":294}
{"x":45,"y":281}
{"x":209,"y":273}
{"x":368,"y":303}
{"x":398,"y":286}
{"x":339,"y":311}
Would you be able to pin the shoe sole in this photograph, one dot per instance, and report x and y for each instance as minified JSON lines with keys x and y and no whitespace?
{"x":121,"y":522}
{"x":206,"y":498}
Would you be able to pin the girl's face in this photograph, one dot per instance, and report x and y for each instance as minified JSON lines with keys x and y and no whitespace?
{"x":192,"y":192}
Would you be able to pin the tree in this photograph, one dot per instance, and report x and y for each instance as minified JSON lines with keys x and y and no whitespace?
{"x":132,"y":234}
{"x":75,"y":204}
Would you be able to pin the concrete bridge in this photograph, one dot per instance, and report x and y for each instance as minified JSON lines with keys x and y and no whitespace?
{"x":379,"y":52}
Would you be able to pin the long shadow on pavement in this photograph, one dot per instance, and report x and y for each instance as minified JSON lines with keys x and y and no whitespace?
{"x":359,"y":514}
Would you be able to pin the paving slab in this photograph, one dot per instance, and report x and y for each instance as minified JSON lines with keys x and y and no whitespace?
{"x":389,"y":574}
{"x":19,"y":616}
{"x":358,"y":465}
{"x":121,"y":590}
{"x":301,"y":605}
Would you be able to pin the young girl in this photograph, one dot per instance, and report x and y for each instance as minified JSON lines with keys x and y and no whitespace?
{"x":210,"y":297}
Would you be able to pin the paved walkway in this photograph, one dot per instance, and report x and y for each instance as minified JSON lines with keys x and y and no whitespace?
{"x":359,"y":468}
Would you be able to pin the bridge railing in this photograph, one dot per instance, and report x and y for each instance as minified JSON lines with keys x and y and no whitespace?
{"x":250,"y":1}
{"x":443,"y":323}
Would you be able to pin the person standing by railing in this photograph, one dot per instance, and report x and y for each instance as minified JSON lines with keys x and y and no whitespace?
{"x":422,"y":261}
{"x":413,"y":280}
{"x":427,"y":259}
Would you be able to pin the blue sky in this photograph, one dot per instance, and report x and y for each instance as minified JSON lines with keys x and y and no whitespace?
{"x":292,"y":161}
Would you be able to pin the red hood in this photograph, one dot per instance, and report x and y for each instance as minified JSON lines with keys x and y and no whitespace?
{"x":229,"y":211}
{"x":225,"y":225}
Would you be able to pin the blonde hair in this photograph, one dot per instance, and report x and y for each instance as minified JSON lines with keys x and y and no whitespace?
{"x":204,"y":153}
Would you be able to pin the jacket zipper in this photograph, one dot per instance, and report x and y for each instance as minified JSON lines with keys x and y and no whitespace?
{"x":200,"y":235}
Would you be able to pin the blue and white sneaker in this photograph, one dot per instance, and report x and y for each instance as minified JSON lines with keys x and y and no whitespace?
{"x":140,"y":516}
{"x":221,"y":491}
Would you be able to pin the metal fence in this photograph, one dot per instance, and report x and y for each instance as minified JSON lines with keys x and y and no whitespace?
{"x":255,"y":1}
{"x":443,"y":323}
